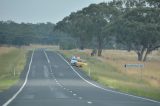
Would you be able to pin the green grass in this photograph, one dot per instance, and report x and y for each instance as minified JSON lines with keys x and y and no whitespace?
{"x":13,"y":60}
{"x":110,"y":76}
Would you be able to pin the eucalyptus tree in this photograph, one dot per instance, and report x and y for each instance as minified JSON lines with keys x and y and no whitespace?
{"x":100,"y":15}
{"x":139,"y":30}
{"x":76,"y":25}
{"x":134,"y":21}
{"x":89,"y":23}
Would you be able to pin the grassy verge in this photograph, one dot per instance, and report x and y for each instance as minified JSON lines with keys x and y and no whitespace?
{"x":110,"y":74}
{"x":12,"y":64}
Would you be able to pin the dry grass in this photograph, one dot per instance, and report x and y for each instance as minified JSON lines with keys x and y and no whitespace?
{"x":4,"y":50}
{"x":118,"y":58}
{"x":150,"y":72}
{"x":36,"y":46}
{"x":12,"y":62}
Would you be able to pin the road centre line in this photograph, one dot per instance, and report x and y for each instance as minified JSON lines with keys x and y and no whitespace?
{"x":26,"y":79}
{"x":74,"y":94}
{"x":105,"y":88}
{"x":46,"y":56}
{"x":55,"y":78}
{"x":89,"y":102}
{"x":51,"y":68}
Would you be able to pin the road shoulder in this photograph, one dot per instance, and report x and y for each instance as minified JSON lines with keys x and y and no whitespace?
{"x":7,"y":94}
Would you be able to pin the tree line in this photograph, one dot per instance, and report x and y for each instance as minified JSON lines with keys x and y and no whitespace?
{"x":120,"y":24}
{"x":12,"y":33}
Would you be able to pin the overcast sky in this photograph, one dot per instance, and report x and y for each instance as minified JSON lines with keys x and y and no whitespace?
{"x":35,"y":11}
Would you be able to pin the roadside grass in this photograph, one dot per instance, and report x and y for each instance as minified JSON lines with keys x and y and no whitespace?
{"x":4,"y":50}
{"x":12,"y":64}
{"x":109,"y":70}
{"x":37,"y":46}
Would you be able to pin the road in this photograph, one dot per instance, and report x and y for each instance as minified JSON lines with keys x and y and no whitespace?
{"x":51,"y":81}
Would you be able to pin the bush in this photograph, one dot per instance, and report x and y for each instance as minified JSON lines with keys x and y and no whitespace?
{"x":67,"y":45}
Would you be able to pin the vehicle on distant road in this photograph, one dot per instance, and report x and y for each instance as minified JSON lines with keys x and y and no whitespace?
{"x":76,"y":61}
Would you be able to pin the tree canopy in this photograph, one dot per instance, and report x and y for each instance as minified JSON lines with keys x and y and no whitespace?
{"x":135,"y":24}
{"x":121,"y":24}
{"x":25,"y":33}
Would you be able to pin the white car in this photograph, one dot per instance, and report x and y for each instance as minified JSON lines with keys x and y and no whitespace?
{"x":74,"y":60}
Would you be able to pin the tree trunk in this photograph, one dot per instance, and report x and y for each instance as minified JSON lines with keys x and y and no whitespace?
{"x":81,"y":44}
{"x":140,"y":56}
{"x":149,"y":50}
{"x":99,"y":52}
{"x":100,"y":42}
{"x":81,"y":47}
{"x":145,"y":56}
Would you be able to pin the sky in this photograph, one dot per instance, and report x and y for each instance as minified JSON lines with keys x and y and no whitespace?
{"x":37,"y":11}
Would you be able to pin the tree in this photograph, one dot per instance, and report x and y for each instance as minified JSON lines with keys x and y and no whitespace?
{"x":88,"y":24}
{"x":131,"y":22}
{"x":154,"y":3}
{"x":139,"y":30}
{"x":76,"y":25}
{"x":96,"y":15}
{"x":12,"y":33}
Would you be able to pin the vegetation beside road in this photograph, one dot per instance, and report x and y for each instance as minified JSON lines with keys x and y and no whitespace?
{"x":118,"y":24}
{"x":12,"y":63}
{"x":109,"y":70}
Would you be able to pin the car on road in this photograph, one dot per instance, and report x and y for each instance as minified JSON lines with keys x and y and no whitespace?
{"x":76,"y":61}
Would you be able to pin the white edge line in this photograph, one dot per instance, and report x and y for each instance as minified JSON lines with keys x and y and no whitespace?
{"x":16,"y":94}
{"x":105,"y":88}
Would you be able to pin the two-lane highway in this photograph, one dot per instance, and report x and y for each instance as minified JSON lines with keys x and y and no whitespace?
{"x":51,"y":81}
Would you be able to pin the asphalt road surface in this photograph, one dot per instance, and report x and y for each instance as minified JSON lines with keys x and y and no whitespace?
{"x":51,"y":81}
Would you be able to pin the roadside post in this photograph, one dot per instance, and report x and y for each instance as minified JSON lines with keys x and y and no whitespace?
{"x":89,"y":72}
{"x":14,"y":72}
{"x":140,"y":66}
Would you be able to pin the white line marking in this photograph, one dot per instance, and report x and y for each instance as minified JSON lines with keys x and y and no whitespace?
{"x":46,"y":56}
{"x":60,"y":85}
{"x":74,"y":94}
{"x":105,"y":88}
{"x":26,"y":79}
{"x":89,"y":102}
{"x":51,"y":69}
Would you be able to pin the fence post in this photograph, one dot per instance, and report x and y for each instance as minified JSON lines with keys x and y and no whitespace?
{"x":14,"y":72}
